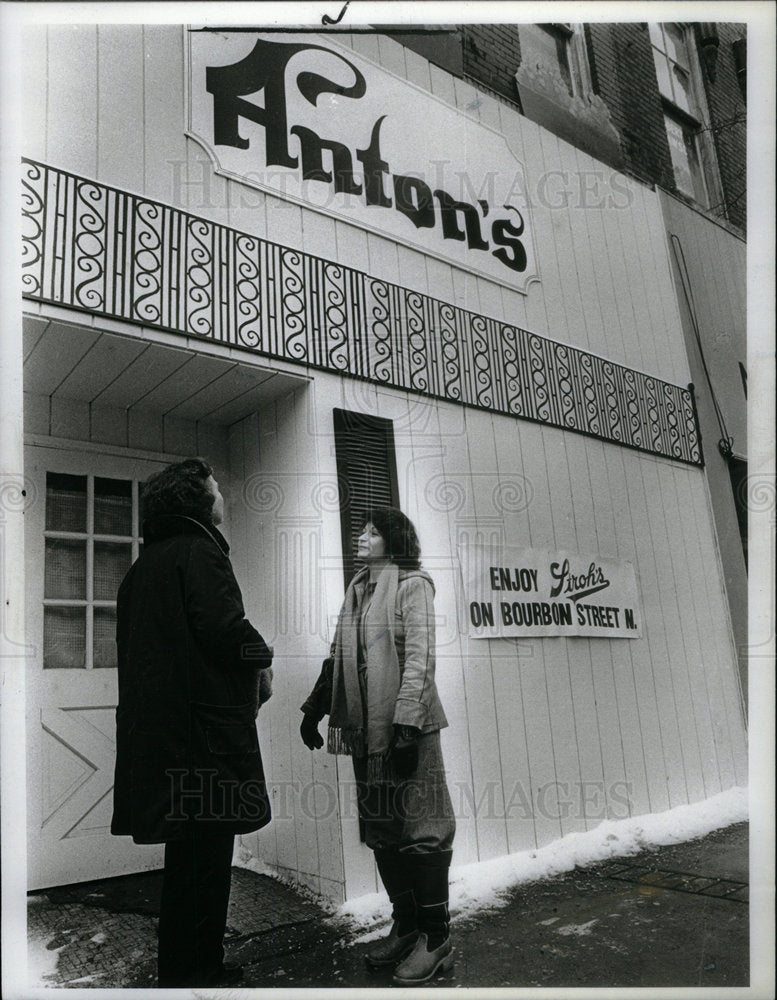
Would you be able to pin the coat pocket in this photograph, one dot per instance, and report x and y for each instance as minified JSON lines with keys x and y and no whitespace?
{"x":229,"y":730}
{"x":226,"y":759}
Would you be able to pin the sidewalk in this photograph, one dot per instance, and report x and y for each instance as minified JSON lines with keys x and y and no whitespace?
{"x":676,"y":916}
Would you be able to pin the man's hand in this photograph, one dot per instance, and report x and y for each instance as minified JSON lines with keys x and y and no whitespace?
{"x":311,"y":737}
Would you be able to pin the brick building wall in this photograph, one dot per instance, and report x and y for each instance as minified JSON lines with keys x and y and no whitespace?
{"x":729,"y":127}
{"x":492,"y":54}
{"x":623,"y":75}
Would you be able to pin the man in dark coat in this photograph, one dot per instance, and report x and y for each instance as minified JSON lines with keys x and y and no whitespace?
{"x":192,"y":674}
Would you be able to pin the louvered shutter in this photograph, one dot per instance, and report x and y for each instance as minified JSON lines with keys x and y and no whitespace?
{"x":366,"y":473}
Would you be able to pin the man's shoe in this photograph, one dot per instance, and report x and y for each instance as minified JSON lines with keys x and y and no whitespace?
{"x":421,"y":965}
{"x":391,"y":949}
{"x":227,"y":975}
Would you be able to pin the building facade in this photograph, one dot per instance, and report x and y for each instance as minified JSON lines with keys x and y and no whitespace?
{"x":666,"y":104}
{"x":343,"y":272}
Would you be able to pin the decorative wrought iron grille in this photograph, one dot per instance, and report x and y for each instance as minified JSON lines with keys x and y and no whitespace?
{"x":95,"y":248}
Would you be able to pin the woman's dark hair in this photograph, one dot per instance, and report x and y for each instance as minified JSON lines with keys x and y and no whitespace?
{"x":180,"y":489}
{"x":399,"y":535}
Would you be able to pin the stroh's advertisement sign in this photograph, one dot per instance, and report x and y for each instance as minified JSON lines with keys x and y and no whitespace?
{"x":308,"y":120}
{"x":535,"y":592}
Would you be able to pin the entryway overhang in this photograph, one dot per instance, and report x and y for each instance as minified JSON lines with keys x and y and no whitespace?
{"x":147,"y":370}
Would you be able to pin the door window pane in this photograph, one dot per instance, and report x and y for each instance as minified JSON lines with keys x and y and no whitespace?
{"x":112,"y":506}
{"x":65,"y":575}
{"x":104,"y":648}
{"x":111,"y":562}
{"x":83,"y":567}
{"x":65,"y":502}
{"x":64,"y":637}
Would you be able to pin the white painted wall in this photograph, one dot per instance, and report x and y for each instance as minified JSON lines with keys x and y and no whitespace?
{"x":714,"y":264}
{"x":634,"y":726}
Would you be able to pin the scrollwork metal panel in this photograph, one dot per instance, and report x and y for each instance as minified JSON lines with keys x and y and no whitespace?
{"x":104,"y":251}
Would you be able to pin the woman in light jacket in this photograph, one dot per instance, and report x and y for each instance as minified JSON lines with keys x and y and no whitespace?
{"x":379,"y":691}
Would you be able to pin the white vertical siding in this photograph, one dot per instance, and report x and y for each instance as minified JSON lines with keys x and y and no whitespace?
{"x":655,"y":731}
{"x":71,"y":97}
{"x":714,"y":263}
{"x":479,"y":456}
{"x":519,"y":667}
{"x":595,"y":504}
{"x":286,"y":509}
{"x":36,"y":92}
{"x":120,"y":94}
{"x":163,"y":116}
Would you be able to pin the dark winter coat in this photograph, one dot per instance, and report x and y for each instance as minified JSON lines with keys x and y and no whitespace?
{"x":189,"y":662}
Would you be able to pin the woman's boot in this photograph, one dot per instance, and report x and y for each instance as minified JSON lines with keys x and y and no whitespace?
{"x":432,"y":953}
{"x":396,"y":876}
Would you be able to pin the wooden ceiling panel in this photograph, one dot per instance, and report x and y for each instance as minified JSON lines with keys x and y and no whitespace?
{"x":232,"y":384}
{"x":58,"y":351}
{"x":199,"y":371}
{"x":100,"y":366}
{"x":146,"y":373}
{"x":120,"y":371}
{"x":33,"y":328}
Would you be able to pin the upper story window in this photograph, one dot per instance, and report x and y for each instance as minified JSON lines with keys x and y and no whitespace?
{"x":679,"y":83}
{"x":671,"y":53}
{"x":555,"y":89}
{"x":558,"y":49}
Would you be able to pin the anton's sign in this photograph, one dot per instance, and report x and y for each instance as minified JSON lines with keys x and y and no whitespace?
{"x":311,"y":122}
{"x":535,"y":592}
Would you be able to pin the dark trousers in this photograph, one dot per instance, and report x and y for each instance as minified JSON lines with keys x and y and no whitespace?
{"x":193,"y":912}
{"x":414,"y":816}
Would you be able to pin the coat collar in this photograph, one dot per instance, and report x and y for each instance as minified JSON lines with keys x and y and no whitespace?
{"x":155,"y":529}
{"x":362,"y":576}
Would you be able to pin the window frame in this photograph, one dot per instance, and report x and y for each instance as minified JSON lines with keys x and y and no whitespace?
{"x":572,"y":34}
{"x":694,"y":125}
{"x":690,"y":128}
{"x":90,"y":537}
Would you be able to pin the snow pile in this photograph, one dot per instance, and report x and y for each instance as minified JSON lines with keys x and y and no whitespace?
{"x":41,"y":961}
{"x":485,"y":884}
{"x":243,"y":858}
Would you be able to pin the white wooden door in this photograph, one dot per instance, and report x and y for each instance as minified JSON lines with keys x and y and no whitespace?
{"x":81,"y":536}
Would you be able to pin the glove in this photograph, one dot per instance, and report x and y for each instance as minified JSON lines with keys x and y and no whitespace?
{"x":404,"y":753}
{"x":265,"y":685}
{"x":308,"y":730}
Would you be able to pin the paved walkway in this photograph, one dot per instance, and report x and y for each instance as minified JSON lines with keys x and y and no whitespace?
{"x":670,"y":917}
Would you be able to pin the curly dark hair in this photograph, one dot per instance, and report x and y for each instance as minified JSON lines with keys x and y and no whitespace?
{"x":399,"y":535}
{"x":180,"y":489}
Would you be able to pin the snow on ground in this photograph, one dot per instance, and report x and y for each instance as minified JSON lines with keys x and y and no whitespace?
{"x":41,"y":962}
{"x":486,"y":884}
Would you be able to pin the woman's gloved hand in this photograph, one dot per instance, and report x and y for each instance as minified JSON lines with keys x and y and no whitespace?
{"x":404,"y":752}
{"x":308,"y":730}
